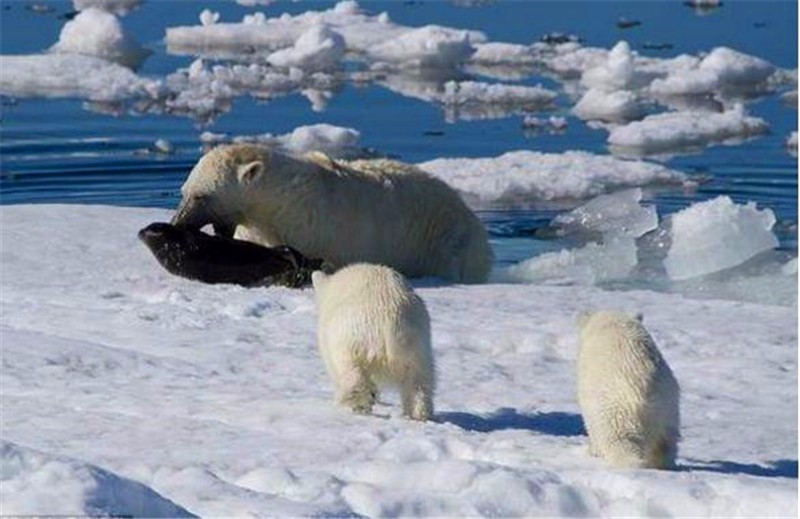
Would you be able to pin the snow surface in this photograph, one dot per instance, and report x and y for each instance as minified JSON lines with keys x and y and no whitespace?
{"x":675,"y":131}
{"x":213,"y":398}
{"x":94,"y":32}
{"x":534,"y":177}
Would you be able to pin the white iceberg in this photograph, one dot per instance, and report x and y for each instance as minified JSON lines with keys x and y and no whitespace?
{"x":94,"y":32}
{"x":616,"y":106}
{"x":427,"y":47}
{"x":530,"y":177}
{"x":716,"y":235}
{"x":333,"y":140}
{"x":675,"y":131}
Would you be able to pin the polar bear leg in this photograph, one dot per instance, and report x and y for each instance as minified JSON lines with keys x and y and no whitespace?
{"x":625,"y":452}
{"x":357,"y":391}
{"x":416,"y":393}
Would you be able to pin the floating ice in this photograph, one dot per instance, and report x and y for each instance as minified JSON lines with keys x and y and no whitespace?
{"x":94,"y":32}
{"x":476,"y":100}
{"x":553,"y":124}
{"x":72,"y":75}
{"x":208,"y":17}
{"x":675,"y":131}
{"x":253,"y":3}
{"x":529,"y":177}
{"x":319,"y":48}
{"x":715,"y":235}
{"x":614,"y":258}
{"x":427,"y":47}
{"x":615,"y":214}
{"x":497,"y":53}
{"x":617,"y":106}
{"x":336,"y":141}
{"x":118,"y":7}
{"x":722,"y":70}
{"x":791,"y":143}
{"x":617,"y":72}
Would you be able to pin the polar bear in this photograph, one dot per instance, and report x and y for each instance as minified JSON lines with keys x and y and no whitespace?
{"x":374,"y":330}
{"x":627,"y":393}
{"x":374,"y":211}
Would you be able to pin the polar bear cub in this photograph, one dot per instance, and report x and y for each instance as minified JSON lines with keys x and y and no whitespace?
{"x":374,"y":330}
{"x":627,"y":393}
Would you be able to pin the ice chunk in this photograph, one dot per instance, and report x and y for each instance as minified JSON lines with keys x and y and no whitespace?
{"x":254,"y":3}
{"x":674,"y":131}
{"x":527,"y":176}
{"x":72,"y":75}
{"x":98,"y":33}
{"x":319,"y":48}
{"x":427,"y":47}
{"x":593,"y":263}
{"x":118,"y":7}
{"x":722,"y":70}
{"x":715,"y":235}
{"x":471,"y":100}
{"x":496,"y":53}
{"x":616,"y":214}
{"x":617,"y":106}
{"x":616,"y":73}
{"x":208,"y":17}
{"x":333,"y":140}
{"x":791,"y":144}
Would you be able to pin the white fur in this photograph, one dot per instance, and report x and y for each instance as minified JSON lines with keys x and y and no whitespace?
{"x":376,"y":211}
{"x":627,"y":393}
{"x":374,"y":330}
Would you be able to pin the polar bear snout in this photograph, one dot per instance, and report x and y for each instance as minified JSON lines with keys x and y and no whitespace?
{"x":193,"y":213}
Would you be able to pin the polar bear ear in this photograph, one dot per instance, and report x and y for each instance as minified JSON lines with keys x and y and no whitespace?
{"x":250,"y":172}
{"x":318,"y":279}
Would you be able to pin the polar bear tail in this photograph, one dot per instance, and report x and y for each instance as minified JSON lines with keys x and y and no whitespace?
{"x":477,"y":256}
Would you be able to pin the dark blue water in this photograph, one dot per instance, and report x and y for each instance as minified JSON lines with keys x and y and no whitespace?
{"x":57,"y":150}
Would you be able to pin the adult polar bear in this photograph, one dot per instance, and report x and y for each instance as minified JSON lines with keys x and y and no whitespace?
{"x":376,"y":211}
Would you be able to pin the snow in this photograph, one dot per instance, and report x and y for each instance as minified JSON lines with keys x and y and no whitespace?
{"x":72,"y":75}
{"x":214,"y":399}
{"x":676,"y":131}
{"x":35,"y":483}
{"x":535,"y":177}
{"x":118,"y":7}
{"x":336,"y":141}
{"x":715,"y":235}
{"x":319,"y":48}
{"x":94,"y":32}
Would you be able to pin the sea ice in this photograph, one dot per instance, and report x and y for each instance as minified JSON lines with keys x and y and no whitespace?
{"x":72,"y":75}
{"x":426,"y":47}
{"x":615,"y":214}
{"x":118,"y":7}
{"x":616,"y":106}
{"x":716,"y":235}
{"x":675,"y":131}
{"x":791,"y":144}
{"x":333,"y":140}
{"x":529,"y":177}
{"x":319,"y":48}
{"x":94,"y":32}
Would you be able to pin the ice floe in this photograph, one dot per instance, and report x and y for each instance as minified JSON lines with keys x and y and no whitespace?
{"x":118,"y":7}
{"x":333,"y":140}
{"x":94,"y":32}
{"x":72,"y":75}
{"x":676,"y":131}
{"x":531,"y":177}
{"x":319,"y":48}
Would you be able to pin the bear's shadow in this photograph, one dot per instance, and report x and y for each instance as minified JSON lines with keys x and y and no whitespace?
{"x":774,"y":469}
{"x":554,"y":424}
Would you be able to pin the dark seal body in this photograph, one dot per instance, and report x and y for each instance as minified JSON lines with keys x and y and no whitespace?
{"x":196,"y":255}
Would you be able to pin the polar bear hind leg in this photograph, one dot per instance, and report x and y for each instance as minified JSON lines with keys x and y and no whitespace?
{"x":416,"y":393}
{"x":356,"y":390}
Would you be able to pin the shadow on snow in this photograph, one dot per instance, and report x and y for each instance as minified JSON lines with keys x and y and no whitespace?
{"x":555,"y":423}
{"x":774,"y":469}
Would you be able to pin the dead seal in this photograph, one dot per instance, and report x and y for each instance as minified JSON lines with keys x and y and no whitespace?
{"x":193,"y":254}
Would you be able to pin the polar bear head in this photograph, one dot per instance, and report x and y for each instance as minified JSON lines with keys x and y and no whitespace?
{"x":222,"y":186}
